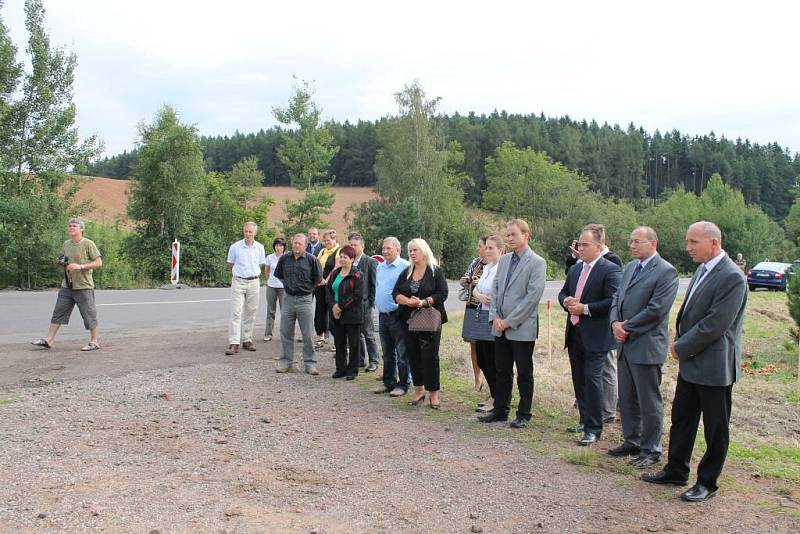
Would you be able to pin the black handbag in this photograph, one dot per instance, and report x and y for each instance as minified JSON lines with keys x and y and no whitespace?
{"x":425,"y":320}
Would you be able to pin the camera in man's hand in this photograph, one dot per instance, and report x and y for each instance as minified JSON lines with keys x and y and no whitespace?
{"x":62,"y":260}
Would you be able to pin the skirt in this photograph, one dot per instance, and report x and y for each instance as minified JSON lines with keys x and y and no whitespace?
{"x":476,"y":325}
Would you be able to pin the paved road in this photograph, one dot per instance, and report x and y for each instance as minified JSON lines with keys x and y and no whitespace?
{"x":25,"y":315}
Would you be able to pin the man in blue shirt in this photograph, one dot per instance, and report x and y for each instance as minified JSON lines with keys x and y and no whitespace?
{"x":396,"y":370}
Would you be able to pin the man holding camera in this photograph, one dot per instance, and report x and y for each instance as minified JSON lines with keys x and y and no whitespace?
{"x":79,"y":257}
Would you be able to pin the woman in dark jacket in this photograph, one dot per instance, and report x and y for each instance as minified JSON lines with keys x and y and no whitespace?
{"x":327,"y":256}
{"x":344,"y":296}
{"x":422,"y":285}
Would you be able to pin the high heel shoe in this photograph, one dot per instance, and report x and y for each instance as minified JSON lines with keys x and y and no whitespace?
{"x":434,"y":406}
{"x":414,"y":402}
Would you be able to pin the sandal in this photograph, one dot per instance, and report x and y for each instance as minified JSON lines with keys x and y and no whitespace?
{"x":90,"y":346}
{"x":41,"y":342}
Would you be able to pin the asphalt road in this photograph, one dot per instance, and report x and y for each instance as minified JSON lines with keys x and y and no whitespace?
{"x":25,"y":315}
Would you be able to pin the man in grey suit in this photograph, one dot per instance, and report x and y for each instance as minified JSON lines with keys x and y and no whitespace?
{"x":640,"y":322}
{"x":518,"y":287}
{"x":708,"y":347}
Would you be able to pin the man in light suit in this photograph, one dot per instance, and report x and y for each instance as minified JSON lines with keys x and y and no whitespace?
{"x":367,"y":265}
{"x":640,"y":322}
{"x":586,"y":295}
{"x":514,"y":314}
{"x":708,"y":347}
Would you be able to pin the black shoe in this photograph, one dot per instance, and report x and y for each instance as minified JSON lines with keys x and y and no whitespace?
{"x":362,"y":364}
{"x":609,"y":420}
{"x":624,"y":450}
{"x":351,"y":377}
{"x":493,"y":417}
{"x":337,"y":374}
{"x":588,"y":438}
{"x":662,"y":477}
{"x":698,"y":493}
{"x":649,"y":460}
{"x":575,"y":429}
{"x":372,"y":367}
{"x":519,"y":422}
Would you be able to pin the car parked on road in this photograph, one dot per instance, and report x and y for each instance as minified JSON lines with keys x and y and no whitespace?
{"x":768,"y":274}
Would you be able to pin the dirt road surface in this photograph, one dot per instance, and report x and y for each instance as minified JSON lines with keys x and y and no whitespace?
{"x":167,"y":434}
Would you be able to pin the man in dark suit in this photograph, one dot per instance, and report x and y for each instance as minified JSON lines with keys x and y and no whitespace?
{"x":640,"y":323}
{"x":514,"y":312}
{"x":708,"y":347}
{"x":367,"y":265}
{"x":586,"y":295}
{"x":314,"y":243}
{"x":610,"y":389}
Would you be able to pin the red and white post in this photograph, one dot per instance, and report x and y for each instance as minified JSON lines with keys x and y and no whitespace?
{"x":176,"y":262}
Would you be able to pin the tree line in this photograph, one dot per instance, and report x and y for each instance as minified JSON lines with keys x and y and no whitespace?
{"x":629,"y":164}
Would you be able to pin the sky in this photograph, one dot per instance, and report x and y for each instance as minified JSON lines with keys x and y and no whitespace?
{"x":699,"y":66}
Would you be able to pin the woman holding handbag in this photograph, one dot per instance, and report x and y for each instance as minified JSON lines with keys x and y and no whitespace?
{"x":421,"y":292}
{"x":344,"y":295}
{"x":481,"y":330}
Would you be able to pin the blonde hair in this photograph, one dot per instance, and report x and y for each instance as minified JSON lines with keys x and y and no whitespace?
{"x":423,"y":247}
{"x":498,"y":241}
{"x":329,"y":233}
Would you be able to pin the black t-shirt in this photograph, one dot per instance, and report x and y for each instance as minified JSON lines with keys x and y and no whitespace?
{"x":299,"y":275}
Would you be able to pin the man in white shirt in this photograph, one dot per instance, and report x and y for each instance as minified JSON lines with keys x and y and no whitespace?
{"x":246,"y":258}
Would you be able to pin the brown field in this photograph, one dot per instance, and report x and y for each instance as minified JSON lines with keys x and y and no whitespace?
{"x":110,"y":199}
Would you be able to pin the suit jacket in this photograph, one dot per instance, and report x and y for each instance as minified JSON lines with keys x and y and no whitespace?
{"x":709,"y":327}
{"x":518,"y":303}
{"x":610,"y":256}
{"x":368,"y":267}
{"x":433,"y":284}
{"x":314,"y":249}
{"x":645,"y":302}
{"x":598,"y":291}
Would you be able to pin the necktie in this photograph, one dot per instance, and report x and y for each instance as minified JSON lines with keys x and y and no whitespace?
{"x":637,"y":270}
{"x":575,"y":319}
{"x":514,"y":262}
{"x":697,"y":283}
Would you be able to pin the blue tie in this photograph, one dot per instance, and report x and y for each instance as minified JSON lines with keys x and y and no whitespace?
{"x":637,"y":270}
{"x":514,"y":262}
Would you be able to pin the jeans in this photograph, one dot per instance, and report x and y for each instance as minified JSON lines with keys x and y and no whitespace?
{"x":396,"y":371}
{"x":301,"y":309}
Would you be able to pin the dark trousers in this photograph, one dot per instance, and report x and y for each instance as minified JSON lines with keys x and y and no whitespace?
{"x":396,"y":372}
{"x":587,"y":380}
{"x":714,"y":402}
{"x":345,"y":336}
{"x":507,"y":354}
{"x":321,"y":311}
{"x":422,"y":349}
{"x":485,"y":352}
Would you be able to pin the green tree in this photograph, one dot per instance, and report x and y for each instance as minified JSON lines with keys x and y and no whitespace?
{"x":413,"y":161}
{"x":39,"y":154}
{"x":306,"y":153}
{"x":165,"y":194}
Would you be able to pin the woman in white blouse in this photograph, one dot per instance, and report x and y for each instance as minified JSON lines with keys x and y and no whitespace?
{"x":483,"y":292}
{"x":274,"y":286}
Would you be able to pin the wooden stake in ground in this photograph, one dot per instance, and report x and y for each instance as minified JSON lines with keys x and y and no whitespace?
{"x":549,"y":334}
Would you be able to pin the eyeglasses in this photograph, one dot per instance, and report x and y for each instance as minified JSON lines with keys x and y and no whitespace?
{"x":638,"y":241}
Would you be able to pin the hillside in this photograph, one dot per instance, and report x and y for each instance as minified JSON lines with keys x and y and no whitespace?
{"x":111,"y":200}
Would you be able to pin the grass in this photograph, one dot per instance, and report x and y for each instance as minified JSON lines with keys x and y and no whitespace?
{"x":764,"y":426}
{"x":6,"y":401}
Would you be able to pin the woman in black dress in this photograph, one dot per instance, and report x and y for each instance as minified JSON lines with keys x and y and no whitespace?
{"x":422,"y":285}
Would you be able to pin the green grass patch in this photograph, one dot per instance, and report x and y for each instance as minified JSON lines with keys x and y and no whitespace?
{"x":584,"y":457}
{"x":775,"y":462}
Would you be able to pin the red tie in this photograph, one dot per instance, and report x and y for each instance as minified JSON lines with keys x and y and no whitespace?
{"x":575,"y":319}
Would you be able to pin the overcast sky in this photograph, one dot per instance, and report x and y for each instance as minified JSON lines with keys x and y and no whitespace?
{"x":727,"y":66}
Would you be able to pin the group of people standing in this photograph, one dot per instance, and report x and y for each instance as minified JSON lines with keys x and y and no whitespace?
{"x":617,"y":338}
{"x":616,"y":332}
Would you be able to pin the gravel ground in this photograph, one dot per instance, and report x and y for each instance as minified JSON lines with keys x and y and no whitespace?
{"x":149,"y":441}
